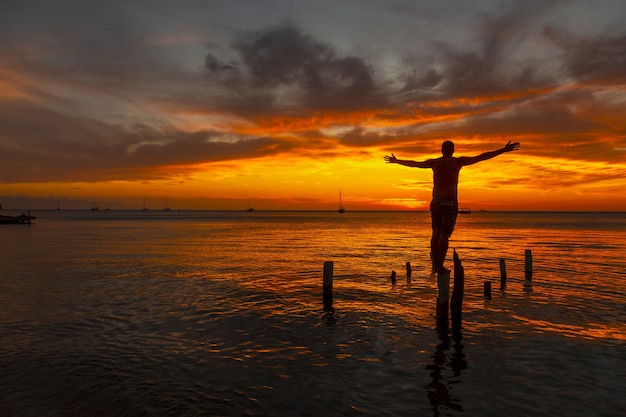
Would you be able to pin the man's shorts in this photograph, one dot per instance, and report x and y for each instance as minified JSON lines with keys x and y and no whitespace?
{"x":443,"y":212}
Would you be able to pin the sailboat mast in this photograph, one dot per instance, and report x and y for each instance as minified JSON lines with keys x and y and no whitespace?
{"x":341,"y":209}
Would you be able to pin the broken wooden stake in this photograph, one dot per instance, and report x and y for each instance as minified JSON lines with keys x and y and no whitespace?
{"x":327,"y":289}
{"x":528,"y":264}
{"x":456,"y":302}
{"x":502,"y":274}
{"x":443,"y":297}
{"x":487,"y":291}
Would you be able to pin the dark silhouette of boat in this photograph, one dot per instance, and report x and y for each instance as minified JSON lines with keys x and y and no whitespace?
{"x":341,"y":209}
{"x":24,"y":218}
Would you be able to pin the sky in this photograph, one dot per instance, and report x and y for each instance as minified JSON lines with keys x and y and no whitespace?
{"x":286,"y":104}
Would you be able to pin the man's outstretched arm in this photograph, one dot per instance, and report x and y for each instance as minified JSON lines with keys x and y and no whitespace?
{"x":408,"y":163}
{"x":469,"y":160}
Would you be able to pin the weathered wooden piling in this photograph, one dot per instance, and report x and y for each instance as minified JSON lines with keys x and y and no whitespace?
{"x":487,"y":290}
{"x":408,"y":272}
{"x":502,"y":274}
{"x":528,"y":270}
{"x":443,"y":297}
{"x":327,"y":289}
{"x":393,"y":278}
{"x":456,"y":302}
{"x":528,"y":264}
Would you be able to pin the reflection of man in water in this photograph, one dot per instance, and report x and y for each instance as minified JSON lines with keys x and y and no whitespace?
{"x":444,"y":205}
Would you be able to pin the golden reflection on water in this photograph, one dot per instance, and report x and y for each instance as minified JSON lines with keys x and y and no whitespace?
{"x":236,"y":310}
{"x":590,"y":331}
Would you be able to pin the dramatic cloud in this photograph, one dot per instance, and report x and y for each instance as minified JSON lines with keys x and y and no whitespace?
{"x":600,"y":60}
{"x":141,"y":91}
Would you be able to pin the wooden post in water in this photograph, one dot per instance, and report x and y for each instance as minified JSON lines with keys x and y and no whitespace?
{"x":443,"y":297}
{"x":528,"y":264}
{"x":502,"y":274}
{"x":408,"y":272}
{"x":327,"y":289}
{"x":487,"y":290}
{"x":393,"y":277}
{"x":528,"y":269}
{"x":456,"y":302}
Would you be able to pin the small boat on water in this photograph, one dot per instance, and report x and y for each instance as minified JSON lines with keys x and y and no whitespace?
{"x":24,"y":218}
{"x":465,"y":211}
{"x":341,"y":209}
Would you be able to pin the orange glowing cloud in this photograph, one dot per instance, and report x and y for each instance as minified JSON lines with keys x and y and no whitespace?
{"x":198,"y":112}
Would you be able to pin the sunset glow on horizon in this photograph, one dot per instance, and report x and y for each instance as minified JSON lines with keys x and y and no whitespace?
{"x":284,"y":104}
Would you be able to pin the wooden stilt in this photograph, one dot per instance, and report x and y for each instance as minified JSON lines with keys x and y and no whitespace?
{"x":327,"y":289}
{"x":408,"y":272}
{"x":528,"y":270}
{"x":528,"y":264}
{"x":443,"y":297}
{"x":393,"y":277}
{"x":502,"y":274}
{"x":456,"y":302}
{"x":487,"y":290}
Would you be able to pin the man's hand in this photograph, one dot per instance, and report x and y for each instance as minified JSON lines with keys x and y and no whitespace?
{"x":511,"y":146}
{"x":391,"y":159}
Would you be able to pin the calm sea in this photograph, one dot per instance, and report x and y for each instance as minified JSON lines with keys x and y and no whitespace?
{"x":201,"y":313}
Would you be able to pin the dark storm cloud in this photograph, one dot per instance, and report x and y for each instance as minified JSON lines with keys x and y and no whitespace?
{"x":598,"y":60}
{"x":312,"y":72}
{"x":454,"y":70}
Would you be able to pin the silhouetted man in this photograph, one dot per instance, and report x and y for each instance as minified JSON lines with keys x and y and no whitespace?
{"x":444,"y":206}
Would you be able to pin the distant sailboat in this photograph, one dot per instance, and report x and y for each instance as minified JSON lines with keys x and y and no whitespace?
{"x":94,"y":207}
{"x":250,"y":208}
{"x":167,"y":208}
{"x":341,"y":209}
{"x":144,"y":207}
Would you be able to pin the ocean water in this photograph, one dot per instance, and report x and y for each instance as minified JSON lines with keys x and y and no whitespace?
{"x":201,"y":313}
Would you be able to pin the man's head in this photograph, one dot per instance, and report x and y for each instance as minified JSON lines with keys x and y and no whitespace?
{"x":447,"y":148}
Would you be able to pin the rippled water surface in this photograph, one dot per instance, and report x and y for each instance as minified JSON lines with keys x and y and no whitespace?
{"x":220,"y":314}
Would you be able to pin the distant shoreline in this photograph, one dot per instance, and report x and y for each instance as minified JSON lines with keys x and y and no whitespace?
{"x":474,"y":212}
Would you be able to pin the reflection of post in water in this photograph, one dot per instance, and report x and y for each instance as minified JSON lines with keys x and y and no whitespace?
{"x":439,"y":390}
{"x":440,"y":393}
